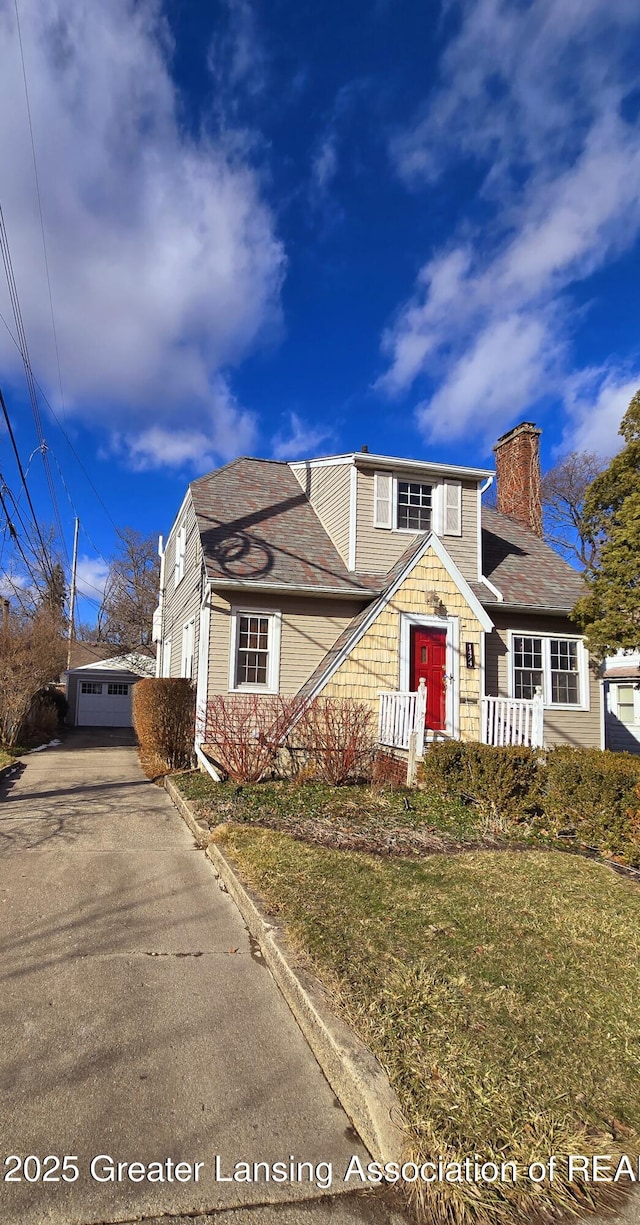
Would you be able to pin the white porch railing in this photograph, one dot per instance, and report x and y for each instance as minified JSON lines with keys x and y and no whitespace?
{"x":400,"y":715}
{"x":513,"y":721}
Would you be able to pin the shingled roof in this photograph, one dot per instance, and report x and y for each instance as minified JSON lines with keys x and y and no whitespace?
{"x":528,"y":572}
{"x":257,"y":526}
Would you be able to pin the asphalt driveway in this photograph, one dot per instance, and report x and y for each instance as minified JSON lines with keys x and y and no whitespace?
{"x":137,"y":1021}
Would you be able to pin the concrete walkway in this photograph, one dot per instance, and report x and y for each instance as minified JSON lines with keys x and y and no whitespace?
{"x":137,"y":1022}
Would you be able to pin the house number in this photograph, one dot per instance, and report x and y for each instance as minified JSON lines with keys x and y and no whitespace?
{"x":470,"y":654}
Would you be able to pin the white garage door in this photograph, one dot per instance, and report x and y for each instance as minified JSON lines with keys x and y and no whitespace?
{"x":104,"y":704}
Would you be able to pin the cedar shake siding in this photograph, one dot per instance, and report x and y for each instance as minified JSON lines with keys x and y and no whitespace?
{"x":328,"y":490}
{"x":374,"y":662}
{"x":378,"y":549}
{"x":309,"y":627}
{"x":561,"y":726}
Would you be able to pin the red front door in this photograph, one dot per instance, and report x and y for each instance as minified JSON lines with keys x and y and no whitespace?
{"x":429,"y":659}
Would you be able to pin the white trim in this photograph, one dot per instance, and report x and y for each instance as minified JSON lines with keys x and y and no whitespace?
{"x":187,"y":661}
{"x":497,"y":593}
{"x":603,"y":697}
{"x":179,"y":555}
{"x":166,"y":656}
{"x":377,"y":606}
{"x":161,"y":553}
{"x":353,"y":516}
{"x":366,"y":460}
{"x":275,"y":620}
{"x":248,"y":585}
{"x":583,"y":668}
{"x":202,"y":679}
{"x":451,"y":625}
{"x":483,"y":666}
{"x":209,"y":767}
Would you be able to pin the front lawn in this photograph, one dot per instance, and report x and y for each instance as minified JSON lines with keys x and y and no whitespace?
{"x":501,"y":992}
{"x":377,"y":818}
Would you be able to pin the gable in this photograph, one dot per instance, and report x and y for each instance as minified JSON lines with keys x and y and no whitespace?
{"x":366,"y":655}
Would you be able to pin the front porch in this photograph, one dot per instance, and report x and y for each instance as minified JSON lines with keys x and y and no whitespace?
{"x":503,"y":721}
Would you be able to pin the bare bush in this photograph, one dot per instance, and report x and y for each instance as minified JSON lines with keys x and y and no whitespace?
{"x":338,"y":736}
{"x":32,"y":653}
{"x":246,"y":730}
{"x":164,"y":719}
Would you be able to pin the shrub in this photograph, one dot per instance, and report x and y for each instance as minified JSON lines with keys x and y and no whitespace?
{"x":504,"y":783}
{"x":246,"y":730}
{"x":164,"y":719}
{"x":338,"y":736}
{"x":594,"y":794}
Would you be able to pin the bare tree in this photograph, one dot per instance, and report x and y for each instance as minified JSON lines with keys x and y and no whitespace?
{"x":32,"y":654}
{"x":563,"y":493}
{"x":131,"y":592}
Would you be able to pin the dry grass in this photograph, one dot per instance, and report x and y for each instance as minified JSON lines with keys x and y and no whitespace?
{"x":501,"y":993}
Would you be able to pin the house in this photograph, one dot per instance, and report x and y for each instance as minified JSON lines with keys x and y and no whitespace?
{"x":362,"y":575}
{"x":98,"y":691}
{"x":621,"y":694}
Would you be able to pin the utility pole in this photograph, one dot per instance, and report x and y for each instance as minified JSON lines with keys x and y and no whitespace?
{"x":72,"y":596}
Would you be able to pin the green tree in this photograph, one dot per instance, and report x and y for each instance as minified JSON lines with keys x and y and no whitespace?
{"x":610,"y":612}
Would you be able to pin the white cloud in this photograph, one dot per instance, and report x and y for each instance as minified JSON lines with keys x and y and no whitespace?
{"x":164,"y":262}
{"x":325,"y":163}
{"x":533,"y":93}
{"x":91,"y":577}
{"x":596,"y":401}
{"x":303,"y":440}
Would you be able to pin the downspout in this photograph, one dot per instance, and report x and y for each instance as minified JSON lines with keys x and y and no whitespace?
{"x":202,"y":683}
{"x":482,"y":577}
{"x":160,"y":650}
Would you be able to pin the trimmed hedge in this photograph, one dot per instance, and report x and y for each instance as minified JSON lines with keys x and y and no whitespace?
{"x":503,"y":783}
{"x":594,"y":796}
{"x":164,"y":719}
{"x":587,"y":795}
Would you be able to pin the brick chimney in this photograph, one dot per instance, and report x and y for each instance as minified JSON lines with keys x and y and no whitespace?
{"x":518,"y":475}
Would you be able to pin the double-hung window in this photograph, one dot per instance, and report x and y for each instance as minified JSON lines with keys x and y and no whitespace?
{"x":405,"y":505}
{"x":556,"y":667}
{"x":255,"y":650}
{"x":413,"y":506}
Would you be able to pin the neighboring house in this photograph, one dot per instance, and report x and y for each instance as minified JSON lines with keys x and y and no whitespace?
{"x":621,"y":685}
{"x":99,"y":692}
{"x":359,"y":575}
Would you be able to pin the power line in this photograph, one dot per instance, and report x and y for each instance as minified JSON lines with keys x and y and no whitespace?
{"x":24,"y":350}
{"x":64,"y":434}
{"x":45,"y":558}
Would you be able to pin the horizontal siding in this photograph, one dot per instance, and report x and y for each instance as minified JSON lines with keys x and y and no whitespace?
{"x":328,"y":491}
{"x":181,"y":603}
{"x":378,"y":549}
{"x":573,"y":727}
{"x":463,"y":549}
{"x":309,"y":628}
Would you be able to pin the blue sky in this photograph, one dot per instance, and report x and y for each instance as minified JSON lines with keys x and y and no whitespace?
{"x":291,"y":229}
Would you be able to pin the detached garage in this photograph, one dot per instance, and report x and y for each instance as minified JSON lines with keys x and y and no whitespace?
{"x":99,"y":694}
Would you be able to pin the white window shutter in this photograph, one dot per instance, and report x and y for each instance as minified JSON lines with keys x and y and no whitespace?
{"x":452,"y":508}
{"x":382,"y":499}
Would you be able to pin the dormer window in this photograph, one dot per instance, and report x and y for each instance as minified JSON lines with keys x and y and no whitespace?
{"x":413,"y":506}
{"x":402,"y":505}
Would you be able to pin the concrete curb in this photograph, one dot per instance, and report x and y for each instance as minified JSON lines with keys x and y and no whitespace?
{"x":354,"y":1074}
